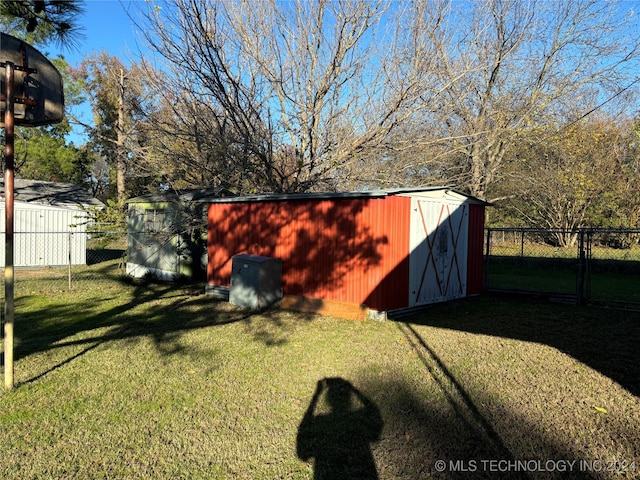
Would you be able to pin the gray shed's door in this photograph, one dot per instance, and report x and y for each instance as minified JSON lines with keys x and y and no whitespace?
{"x":438,"y":258}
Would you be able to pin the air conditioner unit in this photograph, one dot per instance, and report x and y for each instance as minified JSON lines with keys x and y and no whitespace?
{"x":256,"y":282}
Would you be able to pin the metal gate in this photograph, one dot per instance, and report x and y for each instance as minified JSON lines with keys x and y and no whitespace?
{"x":596,"y":266}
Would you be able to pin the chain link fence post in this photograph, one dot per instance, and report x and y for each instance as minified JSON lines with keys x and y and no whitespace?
{"x":70,"y":261}
{"x":487,"y":257}
{"x":581,"y":268}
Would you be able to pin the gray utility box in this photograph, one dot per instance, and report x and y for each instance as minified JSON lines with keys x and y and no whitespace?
{"x":256,"y":282}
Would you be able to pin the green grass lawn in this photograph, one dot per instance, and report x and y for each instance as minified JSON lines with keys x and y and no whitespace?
{"x":159,"y":381}
{"x":612,"y":275}
{"x":532,"y":278}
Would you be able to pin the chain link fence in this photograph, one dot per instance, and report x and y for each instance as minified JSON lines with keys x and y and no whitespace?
{"x":585,"y":265}
{"x":47,"y":262}
{"x":588,"y":265}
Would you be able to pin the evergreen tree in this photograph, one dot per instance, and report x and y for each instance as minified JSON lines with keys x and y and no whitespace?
{"x":41,"y":21}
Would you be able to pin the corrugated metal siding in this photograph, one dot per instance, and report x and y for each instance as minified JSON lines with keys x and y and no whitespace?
{"x":46,"y":236}
{"x":475,"y":254}
{"x":351,"y":250}
{"x":391,"y":290}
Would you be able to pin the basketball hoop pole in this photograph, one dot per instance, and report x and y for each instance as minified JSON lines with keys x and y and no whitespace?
{"x":42,"y":96}
{"x":8,"y":204}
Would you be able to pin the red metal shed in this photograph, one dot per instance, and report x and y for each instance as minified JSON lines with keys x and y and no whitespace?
{"x":356,"y":252}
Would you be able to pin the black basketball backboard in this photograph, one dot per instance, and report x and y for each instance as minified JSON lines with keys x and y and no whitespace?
{"x":38,"y":93}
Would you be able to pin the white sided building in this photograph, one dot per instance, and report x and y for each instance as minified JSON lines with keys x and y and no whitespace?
{"x":50,"y":221}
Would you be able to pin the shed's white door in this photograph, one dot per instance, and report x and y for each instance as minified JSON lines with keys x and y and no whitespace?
{"x":438,"y":258}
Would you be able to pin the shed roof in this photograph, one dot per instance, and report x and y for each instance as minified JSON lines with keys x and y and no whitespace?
{"x":183,"y":196}
{"x":283,"y":197}
{"x":66,"y":195}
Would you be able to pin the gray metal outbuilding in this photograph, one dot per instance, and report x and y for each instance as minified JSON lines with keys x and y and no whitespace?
{"x":50,"y":221}
{"x":166,"y":233}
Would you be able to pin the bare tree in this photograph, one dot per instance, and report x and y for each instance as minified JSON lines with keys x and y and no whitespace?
{"x":294,"y":93}
{"x":510,"y":65}
{"x":303,"y":95}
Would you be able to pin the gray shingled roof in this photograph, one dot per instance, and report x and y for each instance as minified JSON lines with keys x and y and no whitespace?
{"x":65,"y":195}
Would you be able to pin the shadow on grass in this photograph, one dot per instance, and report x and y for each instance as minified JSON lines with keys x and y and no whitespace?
{"x":447,"y":428}
{"x":425,"y":438}
{"x":393,"y":428}
{"x":604,"y":339}
{"x":339,"y":438}
{"x":456,"y":395}
{"x":95,"y":256}
{"x":162,"y":312}
{"x":418,"y":429}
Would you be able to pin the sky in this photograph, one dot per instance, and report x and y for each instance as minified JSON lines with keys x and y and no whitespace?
{"x":106,"y":27}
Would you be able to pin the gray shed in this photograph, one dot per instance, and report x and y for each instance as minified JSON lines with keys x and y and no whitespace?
{"x":50,"y":221}
{"x":166,"y":233}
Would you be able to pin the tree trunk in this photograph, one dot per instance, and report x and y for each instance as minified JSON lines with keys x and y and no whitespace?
{"x":121,"y":161}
